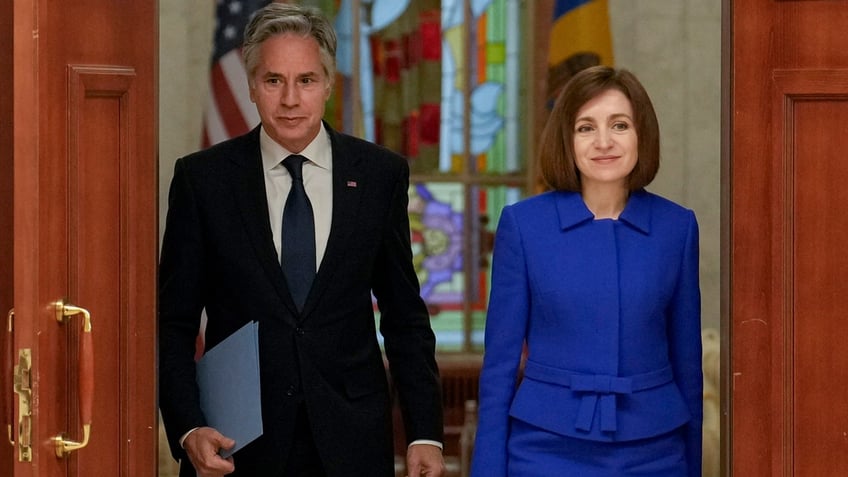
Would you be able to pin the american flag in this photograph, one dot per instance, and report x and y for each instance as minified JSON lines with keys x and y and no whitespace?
{"x":229,"y":112}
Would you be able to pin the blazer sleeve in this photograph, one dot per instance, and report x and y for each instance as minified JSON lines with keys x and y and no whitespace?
{"x":410,"y":344}
{"x":506,"y":323}
{"x":684,"y":331}
{"x":181,"y":273}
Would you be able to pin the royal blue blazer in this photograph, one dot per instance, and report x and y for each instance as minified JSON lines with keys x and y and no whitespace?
{"x":609,"y":311}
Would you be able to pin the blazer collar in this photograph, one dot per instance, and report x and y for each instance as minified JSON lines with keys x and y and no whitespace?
{"x":348,"y":184}
{"x":249,"y":189}
{"x":637,"y":212}
{"x":572,"y":210}
{"x":248,"y":186}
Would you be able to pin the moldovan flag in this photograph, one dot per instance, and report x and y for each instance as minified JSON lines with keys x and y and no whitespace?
{"x":580,"y":37}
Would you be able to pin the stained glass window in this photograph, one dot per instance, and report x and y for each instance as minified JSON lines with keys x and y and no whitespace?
{"x":440,"y":82}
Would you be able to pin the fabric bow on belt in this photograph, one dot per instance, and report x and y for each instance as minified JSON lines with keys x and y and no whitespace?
{"x":595,"y":388}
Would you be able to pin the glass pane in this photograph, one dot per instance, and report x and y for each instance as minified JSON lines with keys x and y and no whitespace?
{"x":406,"y":56}
{"x":444,"y":89}
{"x":413,"y":71}
{"x":452,"y":227}
{"x":496,"y":99}
{"x":486,"y":131}
{"x":436,"y":222}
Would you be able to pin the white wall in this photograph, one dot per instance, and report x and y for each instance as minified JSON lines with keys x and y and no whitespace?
{"x":185,"y":47}
{"x":674,"y":47}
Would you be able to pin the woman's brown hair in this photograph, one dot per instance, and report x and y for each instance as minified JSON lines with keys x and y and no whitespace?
{"x":556,"y":151}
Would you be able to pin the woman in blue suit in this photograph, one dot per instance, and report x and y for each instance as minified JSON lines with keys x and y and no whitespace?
{"x":593,"y":335}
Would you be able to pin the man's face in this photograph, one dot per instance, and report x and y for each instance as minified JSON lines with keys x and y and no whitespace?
{"x":290,"y":89}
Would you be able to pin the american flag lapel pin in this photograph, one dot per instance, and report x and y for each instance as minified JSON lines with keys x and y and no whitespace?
{"x":351,"y":183}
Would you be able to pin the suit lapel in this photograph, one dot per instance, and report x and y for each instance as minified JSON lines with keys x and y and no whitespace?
{"x":348,"y":182}
{"x":249,"y":192}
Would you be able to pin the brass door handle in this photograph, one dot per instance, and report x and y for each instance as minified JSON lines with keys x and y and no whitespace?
{"x":65,"y":446}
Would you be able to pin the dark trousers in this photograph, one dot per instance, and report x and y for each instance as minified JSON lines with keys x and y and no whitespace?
{"x":303,"y":460}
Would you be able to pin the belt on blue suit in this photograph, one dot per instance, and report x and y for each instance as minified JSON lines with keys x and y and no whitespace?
{"x":597,"y":388}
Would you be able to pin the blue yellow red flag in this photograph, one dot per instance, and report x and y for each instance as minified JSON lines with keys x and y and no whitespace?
{"x":580,"y":37}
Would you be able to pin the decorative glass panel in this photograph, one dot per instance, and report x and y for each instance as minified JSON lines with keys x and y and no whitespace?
{"x":440,"y":82}
{"x":452,"y":243}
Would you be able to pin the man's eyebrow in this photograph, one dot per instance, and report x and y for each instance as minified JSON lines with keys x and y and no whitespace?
{"x":274,"y":74}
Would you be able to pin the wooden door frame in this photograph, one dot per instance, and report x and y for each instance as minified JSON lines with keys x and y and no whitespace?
{"x":6,"y":228}
{"x":26,"y":177}
{"x":724,"y":240}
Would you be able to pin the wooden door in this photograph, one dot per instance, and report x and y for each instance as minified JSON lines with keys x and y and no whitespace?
{"x":82,"y":200}
{"x":787,"y":229}
{"x":6,"y":237}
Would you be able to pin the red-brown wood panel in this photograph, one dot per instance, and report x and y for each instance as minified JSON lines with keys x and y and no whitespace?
{"x":6,"y":237}
{"x":84,"y":189}
{"x":786,"y":234}
{"x":817,"y":367}
{"x":102,"y":112}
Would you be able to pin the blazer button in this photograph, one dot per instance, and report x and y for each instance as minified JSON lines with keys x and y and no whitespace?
{"x":299,"y":331}
{"x":290,"y":391}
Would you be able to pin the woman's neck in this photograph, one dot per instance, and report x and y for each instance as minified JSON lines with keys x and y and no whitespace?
{"x":605,"y":202}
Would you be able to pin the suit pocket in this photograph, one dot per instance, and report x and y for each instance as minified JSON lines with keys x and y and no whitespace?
{"x":363,"y":381}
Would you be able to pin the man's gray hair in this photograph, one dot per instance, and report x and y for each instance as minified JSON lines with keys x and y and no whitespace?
{"x":278,"y":18}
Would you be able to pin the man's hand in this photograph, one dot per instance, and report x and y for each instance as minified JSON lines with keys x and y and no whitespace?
{"x":202,"y":447}
{"x":424,"y":460}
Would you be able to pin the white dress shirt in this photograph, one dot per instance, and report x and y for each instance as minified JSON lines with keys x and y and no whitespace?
{"x":317,"y":180}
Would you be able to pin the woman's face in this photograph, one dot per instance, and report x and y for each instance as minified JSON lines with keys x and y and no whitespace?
{"x":605,"y":143}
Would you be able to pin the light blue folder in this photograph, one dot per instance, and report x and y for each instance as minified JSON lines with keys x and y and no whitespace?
{"x":228,"y":378}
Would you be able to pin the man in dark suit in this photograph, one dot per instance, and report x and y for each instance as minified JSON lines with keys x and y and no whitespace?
{"x":325,"y":397}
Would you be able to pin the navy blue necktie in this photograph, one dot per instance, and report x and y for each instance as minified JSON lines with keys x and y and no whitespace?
{"x":298,"y":239}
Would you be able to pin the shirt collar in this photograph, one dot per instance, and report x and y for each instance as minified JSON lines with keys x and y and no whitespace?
{"x":319,"y":151}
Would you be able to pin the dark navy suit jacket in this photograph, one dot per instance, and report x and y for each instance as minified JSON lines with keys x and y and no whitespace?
{"x":218,"y":253}
{"x":610,"y":312}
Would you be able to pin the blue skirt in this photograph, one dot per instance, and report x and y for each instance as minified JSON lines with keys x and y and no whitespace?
{"x":536,"y":452}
